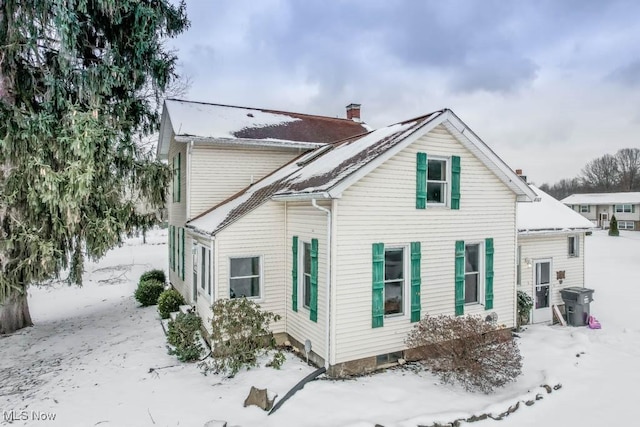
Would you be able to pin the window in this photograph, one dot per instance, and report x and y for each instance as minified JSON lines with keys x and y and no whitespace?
{"x":393,"y":281}
{"x":584,"y":208}
{"x":202,"y":268}
{"x":573,"y":246}
{"x":626,"y":225}
{"x":175,"y":178}
{"x":624,"y":208}
{"x":244,"y":280}
{"x":436,"y":181}
{"x":306,"y":274}
{"x":472,"y":277}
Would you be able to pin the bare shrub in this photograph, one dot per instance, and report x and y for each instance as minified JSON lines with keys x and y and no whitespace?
{"x":467,"y":349}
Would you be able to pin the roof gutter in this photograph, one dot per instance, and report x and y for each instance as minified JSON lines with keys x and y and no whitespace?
{"x":235,"y":142}
{"x":314,"y":203}
{"x":306,"y":196}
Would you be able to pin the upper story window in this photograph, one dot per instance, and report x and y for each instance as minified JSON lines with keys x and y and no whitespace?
{"x":624,"y":208}
{"x":584,"y":208}
{"x":573,"y":246}
{"x":437,"y":181}
{"x":176,"y":179}
{"x":244,"y":277}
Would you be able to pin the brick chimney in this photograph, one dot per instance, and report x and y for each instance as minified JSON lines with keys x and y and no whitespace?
{"x":353,"y":112}
{"x":519,"y":173}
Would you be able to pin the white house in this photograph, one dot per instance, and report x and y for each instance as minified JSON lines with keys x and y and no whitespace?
{"x":217,"y":150}
{"x":600,"y":207}
{"x":551,"y":248}
{"x":353,"y":242}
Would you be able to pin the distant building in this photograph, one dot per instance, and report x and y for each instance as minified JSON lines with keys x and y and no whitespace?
{"x":600,"y":207}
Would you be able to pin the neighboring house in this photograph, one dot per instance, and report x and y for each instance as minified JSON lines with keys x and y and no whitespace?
{"x":600,"y":207}
{"x":551,"y":248}
{"x":355,"y":241}
{"x":216,"y":150}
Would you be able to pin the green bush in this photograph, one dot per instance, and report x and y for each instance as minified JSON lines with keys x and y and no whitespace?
{"x":148,"y":292}
{"x":168,"y":302}
{"x":525,"y":304}
{"x":183,"y":336}
{"x":613,"y":227}
{"x":240,"y":334}
{"x":153,"y":274}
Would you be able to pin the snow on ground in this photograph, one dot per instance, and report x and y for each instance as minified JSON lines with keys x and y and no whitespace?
{"x":87,"y":361}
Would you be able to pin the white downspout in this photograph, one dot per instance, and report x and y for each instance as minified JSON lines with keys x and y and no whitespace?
{"x":212,"y":270}
{"x":314,"y":203}
{"x":187,"y":181}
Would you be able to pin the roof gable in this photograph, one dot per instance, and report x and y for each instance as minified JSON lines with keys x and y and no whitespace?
{"x":187,"y":120}
{"x":329,"y":170}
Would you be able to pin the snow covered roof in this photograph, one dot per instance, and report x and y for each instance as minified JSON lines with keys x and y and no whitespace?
{"x":547,"y":215}
{"x":199,"y":121}
{"x":603,"y":199}
{"x":327,"y":171}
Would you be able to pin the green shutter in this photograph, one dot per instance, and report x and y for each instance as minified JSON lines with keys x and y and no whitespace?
{"x":455,"y":182}
{"x":178,"y":252}
{"x":633,"y":208}
{"x":313,"y":303}
{"x":377,"y":309}
{"x":488,"y":267}
{"x":182,"y":254}
{"x":415,"y":281}
{"x":459,"y":294}
{"x":179,"y":177}
{"x":294,"y":274}
{"x":172,"y":238}
{"x":421,"y":180}
{"x":174,"y":179}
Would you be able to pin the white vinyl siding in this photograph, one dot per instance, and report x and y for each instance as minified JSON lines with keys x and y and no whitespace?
{"x":307,"y":222}
{"x":260,"y":233}
{"x":381,"y":208}
{"x":176,"y":218}
{"x":219,"y":173}
{"x":551,"y":247}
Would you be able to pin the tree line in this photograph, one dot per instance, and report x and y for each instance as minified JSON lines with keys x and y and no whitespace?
{"x":610,"y":173}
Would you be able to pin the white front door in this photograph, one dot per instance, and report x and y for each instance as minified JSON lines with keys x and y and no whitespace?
{"x":542,"y":292}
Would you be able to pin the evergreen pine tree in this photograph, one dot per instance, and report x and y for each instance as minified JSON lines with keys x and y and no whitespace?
{"x":74,"y":83}
{"x":613,"y":227}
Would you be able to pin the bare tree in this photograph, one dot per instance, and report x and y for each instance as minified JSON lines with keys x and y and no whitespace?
{"x":602,"y":174}
{"x":629,"y":164}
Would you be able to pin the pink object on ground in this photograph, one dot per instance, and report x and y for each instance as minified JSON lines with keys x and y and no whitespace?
{"x":593,"y":323}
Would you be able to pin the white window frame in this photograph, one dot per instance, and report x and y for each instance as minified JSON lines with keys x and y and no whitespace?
{"x":573,"y":250}
{"x":406,"y":280}
{"x":519,"y":266}
{"x":204,"y":283}
{"x":446,"y":182}
{"x":583,"y":210}
{"x":481,"y":272}
{"x":626,"y":225}
{"x":258,"y":297}
{"x":303,"y":273}
{"x":623,"y":208}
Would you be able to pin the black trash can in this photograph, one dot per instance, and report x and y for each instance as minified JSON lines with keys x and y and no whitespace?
{"x":576,"y":303}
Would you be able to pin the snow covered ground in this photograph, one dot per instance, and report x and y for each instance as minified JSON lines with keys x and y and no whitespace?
{"x":87,"y":362}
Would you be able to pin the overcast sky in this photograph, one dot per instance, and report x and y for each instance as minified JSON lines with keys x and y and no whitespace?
{"x":549,"y":85}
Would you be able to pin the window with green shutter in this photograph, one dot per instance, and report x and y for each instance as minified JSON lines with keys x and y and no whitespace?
{"x":459,"y":278}
{"x":172,"y":240}
{"x":313,"y":300}
{"x":421,"y":180}
{"x":415,"y":281}
{"x":294,"y":274}
{"x":488,"y":266}
{"x":377,"y":309}
{"x":455,"y":182}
